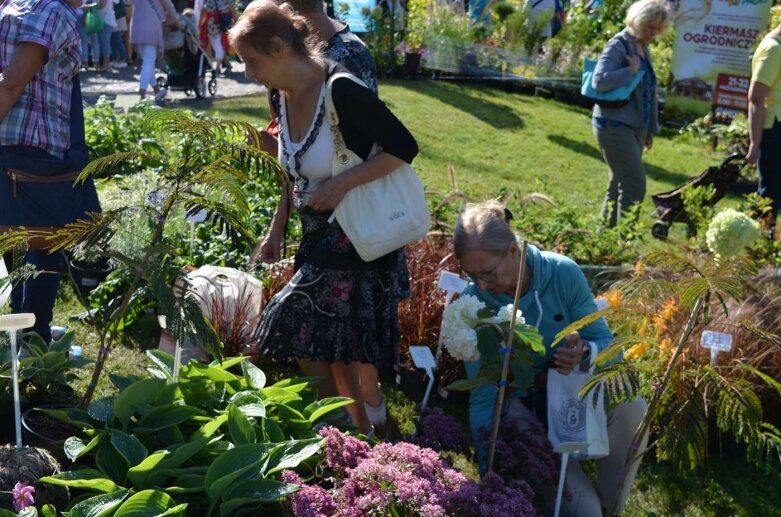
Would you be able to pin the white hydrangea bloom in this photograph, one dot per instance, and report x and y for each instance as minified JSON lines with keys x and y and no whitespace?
{"x":730,"y":232}
{"x":505,"y":314}
{"x":458,"y":334}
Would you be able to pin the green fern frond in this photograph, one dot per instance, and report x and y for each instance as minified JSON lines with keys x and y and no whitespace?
{"x":771,"y":338}
{"x":579,"y":324}
{"x":768,"y":380}
{"x":638,"y":290}
{"x":13,"y":240}
{"x":107,"y":164}
{"x":765,"y":448}
{"x":221,"y":215}
{"x":621,"y":382}
{"x":684,"y":430}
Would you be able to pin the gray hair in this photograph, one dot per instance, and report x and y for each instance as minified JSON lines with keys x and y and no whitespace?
{"x":482,"y":226}
{"x":645,"y":12}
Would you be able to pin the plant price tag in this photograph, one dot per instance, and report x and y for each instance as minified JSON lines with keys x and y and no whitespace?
{"x":451,"y":282}
{"x":422,"y":357}
{"x":196,"y":217}
{"x":716,"y":340}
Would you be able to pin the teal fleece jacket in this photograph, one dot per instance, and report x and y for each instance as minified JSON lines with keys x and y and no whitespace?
{"x":558,"y":295}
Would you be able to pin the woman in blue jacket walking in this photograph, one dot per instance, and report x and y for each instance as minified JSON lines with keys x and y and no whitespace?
{"x":555,"y":293}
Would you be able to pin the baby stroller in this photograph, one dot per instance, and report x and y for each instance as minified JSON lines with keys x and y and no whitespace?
{"x":669,"y":205}
{"x":187,"y":63}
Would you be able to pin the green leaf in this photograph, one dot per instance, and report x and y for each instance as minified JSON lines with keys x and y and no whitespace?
{"x":48,"y":510}
{"x":324,"y":406}
{"x":253,"y":492}
{"x":290,"y":454}
{"x":232,"y":465}
{"x":76,"y":417}
{"x":209,"y":429}
{"x":166,"y":416}
{"x":102,"y":410}
{"x":179,"y":454}
{"x":187,"y":484}
{"x":297,"y":384}
{"x":240,"y":428}
{"x":280,"y":395}
{"x":148,"y":503}
{"x":99,"y":505}
{"x":250,"y":403}
{"x":531,"y":337}
{"x":89,"y":479}
{"x":469,"y":384}
{"x":110,"y":461}
{"x":75,"y":447}
{"x":139,"y":474}
{"x":140,"y":393}
{"x":163,"y":360}
{"x":253,"y":375}
{"x":128,"y":446}
{"x":228,"y":363}
{"x":271,"y":431}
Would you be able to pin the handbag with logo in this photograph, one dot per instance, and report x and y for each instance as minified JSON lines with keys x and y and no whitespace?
{"x":385,"y":214}
{"x":572,"y":419}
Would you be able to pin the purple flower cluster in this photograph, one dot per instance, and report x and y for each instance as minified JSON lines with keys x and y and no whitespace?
{"x":399,"y":478}
{"x":528,"y":456}
{"x":493,"y":498}
{"x":440,"y":432}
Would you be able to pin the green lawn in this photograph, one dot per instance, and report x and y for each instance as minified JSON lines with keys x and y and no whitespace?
{"x":500,"y":142}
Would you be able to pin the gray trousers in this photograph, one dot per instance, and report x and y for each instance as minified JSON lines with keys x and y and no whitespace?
{"x":622,"y":148}
{"x":587,"y":500}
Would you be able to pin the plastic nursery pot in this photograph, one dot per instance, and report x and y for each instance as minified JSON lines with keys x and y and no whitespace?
{"x":46,"y":432}
{"x":64,"y":396}
{"x":87,"y":275}
{"x":411,"y":381}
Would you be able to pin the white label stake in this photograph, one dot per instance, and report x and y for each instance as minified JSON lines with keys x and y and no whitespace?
{"x":718,"y":342}
{"x":422,"y":358}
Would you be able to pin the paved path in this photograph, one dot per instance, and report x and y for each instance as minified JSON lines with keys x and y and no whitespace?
{"x":125,"y":81}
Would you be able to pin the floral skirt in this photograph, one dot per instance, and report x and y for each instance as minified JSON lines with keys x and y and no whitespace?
{"x":337,"y":307}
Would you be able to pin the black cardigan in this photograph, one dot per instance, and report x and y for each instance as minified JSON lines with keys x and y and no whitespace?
{"x":364,"y":119}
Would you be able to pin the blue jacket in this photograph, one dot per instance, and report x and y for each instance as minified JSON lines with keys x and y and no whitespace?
{"x":558,"y":295}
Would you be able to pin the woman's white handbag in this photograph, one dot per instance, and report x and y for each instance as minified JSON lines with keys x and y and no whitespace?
{"x":385,"y":214}
{"x":575,"y":420}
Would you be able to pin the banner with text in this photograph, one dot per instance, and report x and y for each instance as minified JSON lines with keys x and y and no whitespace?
{"x":714,"y":37}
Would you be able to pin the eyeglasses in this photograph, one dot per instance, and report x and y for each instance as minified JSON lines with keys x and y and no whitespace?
{"x":492,"y":275}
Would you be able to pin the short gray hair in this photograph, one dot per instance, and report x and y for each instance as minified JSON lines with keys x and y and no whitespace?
{"x":645,"y":12}
{"x":482,"y":226}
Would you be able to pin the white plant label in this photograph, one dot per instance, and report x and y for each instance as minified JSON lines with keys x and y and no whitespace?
{"x":422,"y":357}
{"x":196,"y":217}
{"x":716,"y":340}
{"x":451,"y":282}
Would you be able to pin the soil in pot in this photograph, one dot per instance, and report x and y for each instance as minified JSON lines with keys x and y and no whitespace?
{"x":47,"y":432}
{"x":60,"y":396}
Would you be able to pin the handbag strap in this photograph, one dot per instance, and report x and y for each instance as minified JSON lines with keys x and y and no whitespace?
{"x":333,"y":116}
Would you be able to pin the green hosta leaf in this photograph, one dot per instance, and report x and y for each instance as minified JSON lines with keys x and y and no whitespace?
{"x":102,"y":410}
{"x":48,"y":510}
{"x":75,"y":447}
{"x":166,"y":416}
{"x":99,"y":505}
{"x":141,"y":393}
{"x":209,"y":429}
{"x":250,"y":403}
{"x":7,"y":513}
{"x":211,"y":372}
{"x":253,"y":375}
{"x":228,"y":363}
{"x":233,"y":465}
{"x":271,"y":431}
{"x":110,"y":461}
{"x":324,"y":406}
{"x":163,"y":360}
{"x":279,"y":395}
{"x":140,"y":474}
{"x":148,"y":503}
{"x":289,"y":455}
{"x":76,"y":417}
{"x":188,"y":484}
{"x":240,"y":428}
{"x":89,"y":479}
{"x":177,"y":457}
{"x":253,"y":492}
{"x":128,"y":446}
{"x":297,"y":384}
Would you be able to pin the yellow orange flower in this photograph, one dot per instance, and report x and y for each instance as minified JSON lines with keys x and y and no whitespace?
{"x":613,"y":298}
{"x":643,"y":328}
{"x":637,"y":350}
{"x":639,"y":268}
{"x":665,"y":347}
{"x":668,"y":309}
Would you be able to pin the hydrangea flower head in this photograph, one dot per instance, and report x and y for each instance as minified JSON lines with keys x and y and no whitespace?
{"x":730,"y":232}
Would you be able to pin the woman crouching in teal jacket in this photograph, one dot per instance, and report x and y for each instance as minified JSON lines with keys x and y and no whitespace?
{"x":554,"y":294}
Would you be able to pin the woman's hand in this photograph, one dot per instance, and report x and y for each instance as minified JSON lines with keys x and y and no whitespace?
{"x":328,"y":195}
{"x":568,"y":357}
{"x":649,"y":141}
{"x":268,"y":250}
{"x":634,"y":63}
{"x":753,"y":154}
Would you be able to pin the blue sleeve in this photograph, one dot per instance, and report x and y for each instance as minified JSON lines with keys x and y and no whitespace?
{"x":612,"y":70}
{"x":481,"y":409}
{"x":581,"y":303}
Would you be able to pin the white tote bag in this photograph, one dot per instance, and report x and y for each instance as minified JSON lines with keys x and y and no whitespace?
{"x":385,"y":214}
{"x":572,"y":419}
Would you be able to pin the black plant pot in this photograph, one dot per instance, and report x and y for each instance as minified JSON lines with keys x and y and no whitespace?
{"x":46,"y":432}
{"x":87,"y":275}
{"x":411,"y":63}
{"x":411,"y":381}
{"x":63,"y":396}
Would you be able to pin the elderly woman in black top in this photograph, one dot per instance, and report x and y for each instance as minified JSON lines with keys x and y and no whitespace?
{"x":337,"y":311}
